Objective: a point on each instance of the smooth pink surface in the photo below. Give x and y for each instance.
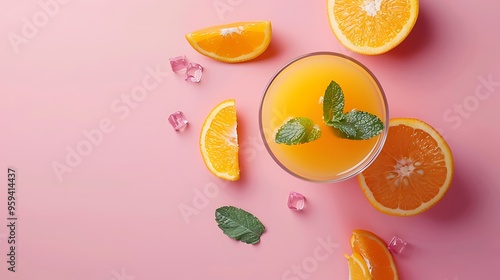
(117, 215)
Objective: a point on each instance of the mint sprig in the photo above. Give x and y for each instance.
(238, 224)
(297, 131)
(355, 125)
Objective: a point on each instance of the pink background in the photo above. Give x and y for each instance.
(116, 214)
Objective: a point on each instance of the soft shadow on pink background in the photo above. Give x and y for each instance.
(116, 214)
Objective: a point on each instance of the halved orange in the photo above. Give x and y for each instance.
(375, 253)
(219, 141)
(413, 171)
(234, 42)
(358, 270)
(372, 26)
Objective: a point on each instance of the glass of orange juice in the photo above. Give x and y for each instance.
(296, 90)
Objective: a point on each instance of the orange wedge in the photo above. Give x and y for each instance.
(235, 42)
(372, 26)
(219, 141)
(375, 253)
(413, 171)
(358, 270)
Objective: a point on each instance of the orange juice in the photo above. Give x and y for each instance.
(297, 91)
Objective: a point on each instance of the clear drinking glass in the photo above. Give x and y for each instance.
(296, 90)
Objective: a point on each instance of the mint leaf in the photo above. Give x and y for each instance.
(297, 131)
(239, 224)
(354, 125)
(333, 103)
(358, 125)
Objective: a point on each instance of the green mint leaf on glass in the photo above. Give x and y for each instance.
(238, 224)
(333, 103)
(297, 131)
(358, 125)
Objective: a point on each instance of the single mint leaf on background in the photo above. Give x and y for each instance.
(358, 125)
(239, 224)
(333, 103)
(297, 131)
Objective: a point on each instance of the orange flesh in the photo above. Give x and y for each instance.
(373, 249)
(363, 27)
(219, 141)
(410, 170)
(235, 42)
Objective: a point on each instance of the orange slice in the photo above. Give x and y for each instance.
(375, 253)
(372, 26)
(235, 42)
(358, 270)
(413, 171)
(219, 141)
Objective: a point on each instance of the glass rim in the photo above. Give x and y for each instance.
(362, 165)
